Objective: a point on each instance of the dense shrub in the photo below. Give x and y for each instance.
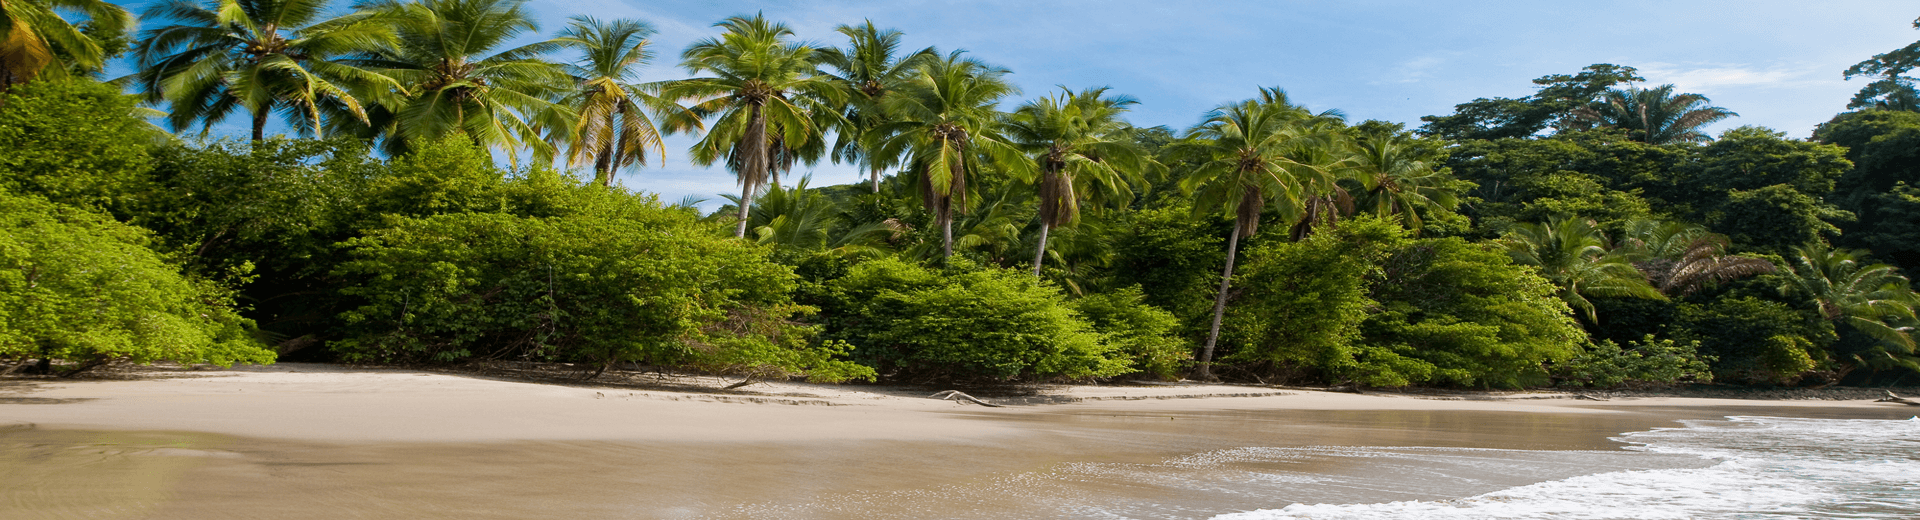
(963, 323)
(1648, 360)
(80, 287)
(1460, 313)
(650, 286)
(1756, 341)
(1145, 335)
(1301, 303)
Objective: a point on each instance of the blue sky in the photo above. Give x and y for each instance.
(1777, 63)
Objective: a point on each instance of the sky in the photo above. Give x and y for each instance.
(1778, 64)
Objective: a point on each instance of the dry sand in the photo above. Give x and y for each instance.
(322, 441)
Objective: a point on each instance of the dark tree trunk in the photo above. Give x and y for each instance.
(260, 125)
(1219, 306)
(755, 166)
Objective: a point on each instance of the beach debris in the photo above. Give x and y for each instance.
(1588, 397)
(956, 395)
(1890, 398)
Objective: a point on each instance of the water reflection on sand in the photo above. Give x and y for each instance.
(1065, 465)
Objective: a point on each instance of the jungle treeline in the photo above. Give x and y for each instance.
(450, 196)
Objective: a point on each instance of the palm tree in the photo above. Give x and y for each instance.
(1078, 144)
(1574, 254)
(259, 56)
(1679, 258)
(458, 84)
(613, 130)
(948, 124)
(1654, 115)
(1246, 153)
(870, 70)
(1872, 298)
(1399, 182)
(763, 95)
(33, 35)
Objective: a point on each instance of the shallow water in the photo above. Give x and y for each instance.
(1065, 465)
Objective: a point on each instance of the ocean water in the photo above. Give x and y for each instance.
(1761, 468)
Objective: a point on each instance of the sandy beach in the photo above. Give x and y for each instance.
(322, 441)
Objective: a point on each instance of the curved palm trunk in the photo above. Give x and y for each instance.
(755, 167)
(944, 214)
(1040, 253)
(1219, 305)
(603, 166)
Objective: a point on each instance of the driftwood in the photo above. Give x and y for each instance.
(1890, 398)
(1588, 397)
(956, 395)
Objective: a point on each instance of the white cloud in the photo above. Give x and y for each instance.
(1704, 78)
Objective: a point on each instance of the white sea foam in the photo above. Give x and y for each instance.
(1768, 467)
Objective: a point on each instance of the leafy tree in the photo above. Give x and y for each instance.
(1576, 256)
(34, 35)
(963, 323)
(1246, 160)
(950, 129)
(72, 142)
(763, 94)
(1654, 115)
(1891, 90)
(458, 81)
(1774, 219)
(80, 287)
(1173, 257)
(1550, 107)
(1593, 174)
(870, 70)
(1460, 313)
(1643, 361)
(1075, 139)
(1884, 148)
(613, 130)
(259, 56)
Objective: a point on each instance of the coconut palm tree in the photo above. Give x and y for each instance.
(1575, 255)
(1872, 298)
(1078, 143)
(1399, 182)
(34, 34)
(870, 69)
(259, 56)
(1654, 115)
(1246, 154)
(613, 130)
(763, 95)
(947, 123)
(458, 80)
(1679, 258)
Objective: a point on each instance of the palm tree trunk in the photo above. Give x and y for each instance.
(945, 216)
(875, 176)
(1040, 253)
(603, 166)
(260, 125)
(755, 168)
(1219, 306)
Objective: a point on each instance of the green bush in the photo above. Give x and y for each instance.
(651, 286)
(1647, 361)
(80, 287)
(1756, 341)
(1461, 313)
(963, 323)
(1301, 303)
(1145, 335)
(72, 142)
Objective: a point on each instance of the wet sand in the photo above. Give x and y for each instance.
(311, 441)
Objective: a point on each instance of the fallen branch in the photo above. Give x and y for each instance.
(1890, 398)
(956, 395)
(1588, 397)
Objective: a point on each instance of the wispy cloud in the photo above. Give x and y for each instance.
(1704, 78)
